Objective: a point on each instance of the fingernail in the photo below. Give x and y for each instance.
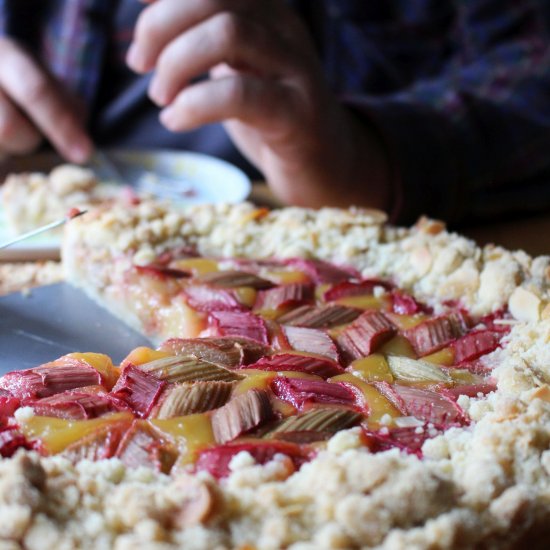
(135, 59)
(167, 117)
(157, 92)
(80, 152)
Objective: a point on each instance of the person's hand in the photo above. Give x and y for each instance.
(33, 106)
(267, 85)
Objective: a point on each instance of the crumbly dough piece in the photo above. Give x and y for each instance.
(22, 276)
(34, 199)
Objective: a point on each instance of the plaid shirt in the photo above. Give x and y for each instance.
(458, 89)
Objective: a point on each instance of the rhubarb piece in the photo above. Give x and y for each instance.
(323, 420)
(284, 296)
(311, 340)
(409, 440)
(426, 405)
(229, 352)
(373, 368)
(8, 404)
(102, 364)
(414, 370)
(323, 272)
(498, 321)
(143, 354)
(216, 460)
(184, 399)
(299, 391)
(471, 390)
(434, 334)
(475, 344)
(56, 434)
(300, 363)
(74, 405)
(139, 389)
(206, 299)
(101, 444)
(187, 369)
(234, 279)
(240, 415)
(243, 324)
(302, 437)
(11, 439)
(162, 272)
(347, 289)
(142, 445)
(327, 316)
(368, 332)
(49, 379)
(405, 304)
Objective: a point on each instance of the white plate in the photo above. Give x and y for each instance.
(211, 179)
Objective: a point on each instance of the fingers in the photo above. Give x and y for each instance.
(160, 23)
(244, 97)
(224, 38)
(17, 134)
(29, 87)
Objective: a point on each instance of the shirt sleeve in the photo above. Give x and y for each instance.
(473, 141)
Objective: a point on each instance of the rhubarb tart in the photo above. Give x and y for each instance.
(319, 379)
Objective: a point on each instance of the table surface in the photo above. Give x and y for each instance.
(531, 235)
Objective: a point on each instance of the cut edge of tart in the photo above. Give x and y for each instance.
(355, 385)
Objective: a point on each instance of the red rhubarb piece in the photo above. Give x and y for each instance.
(300, 363)
(138, 389)
(475, 344)
(311, 340)
(49, 379)
(99, 445)
(143, 446)
(490, 321)
(10, 441)
(409, 440)
(75, 406)
(8, 404)
(423, 404)
(299, 391)
(323, 272)
(405, 304)
(471, 390)
(243, 324)
(432, 335)
(229, 352)
(234, 279)
(243, 413)
(330, 315)
(368, 332)
(346, 289)
(206, 299)
(283, 296)
(217, 459)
